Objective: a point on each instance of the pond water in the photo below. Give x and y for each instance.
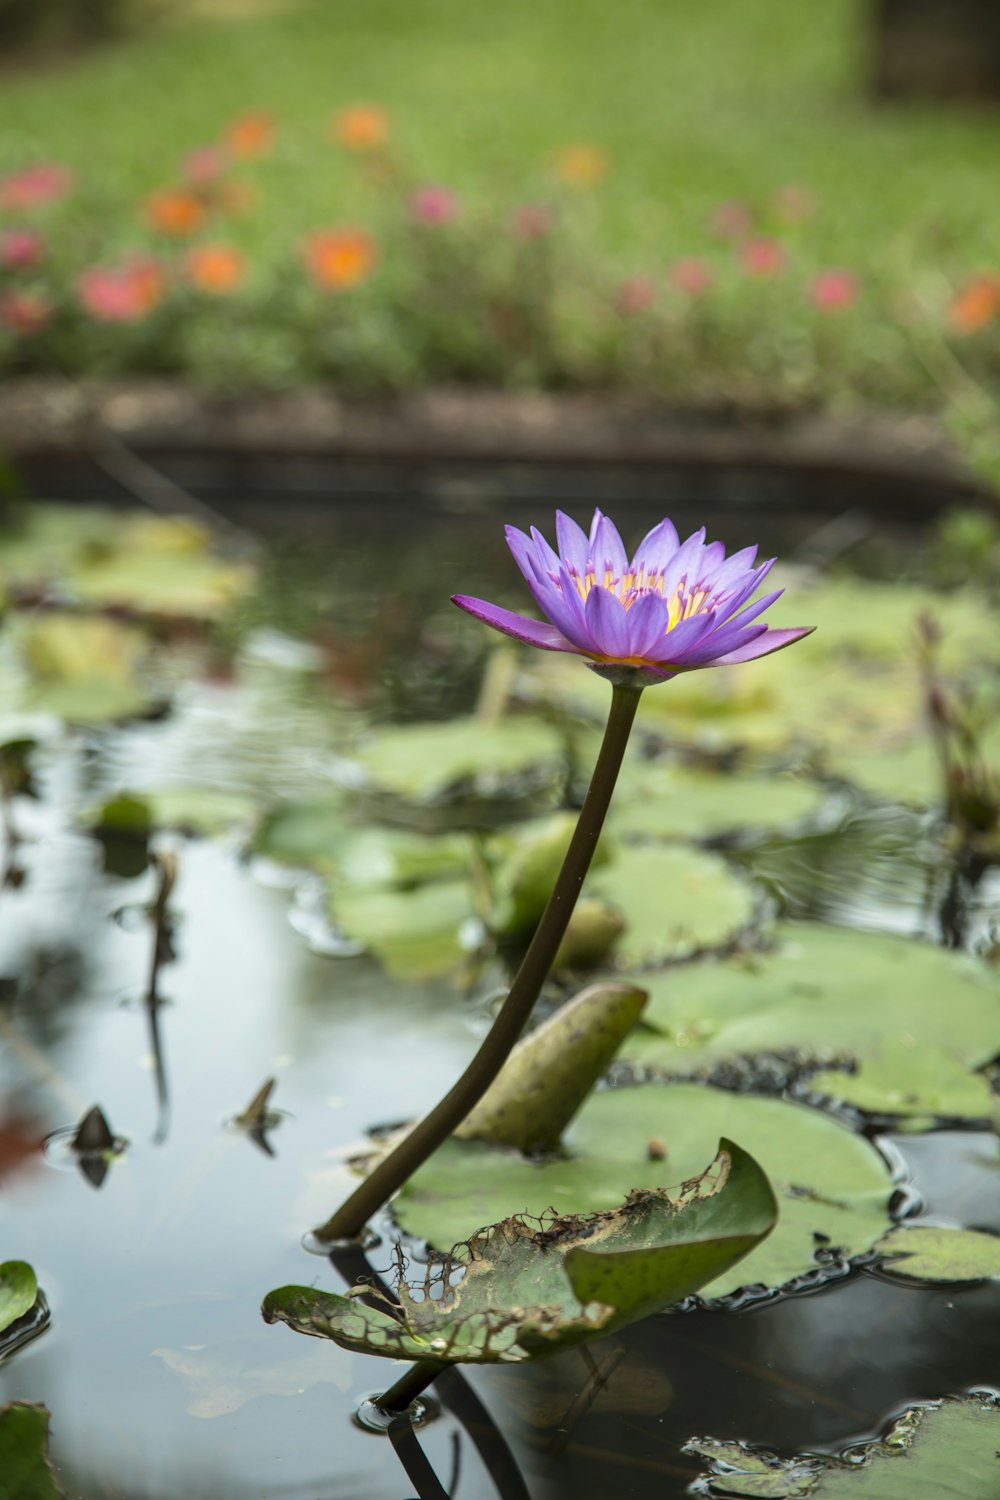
(160, 1376)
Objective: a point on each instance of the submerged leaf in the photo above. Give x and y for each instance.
(519, 1289)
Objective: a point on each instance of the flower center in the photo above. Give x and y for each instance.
(684, 602)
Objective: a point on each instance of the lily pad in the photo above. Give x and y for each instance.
(675, 901)
(832, 1185)
(467, 763)
(307, 834)
(25, 1473)
(828, 995)
(18, 1290)
(948, 1452)
(656, 799)
(414, 933)
(86, 670)
(929, 1253)
(915, 1083)
(519, 1290)
(194, 810)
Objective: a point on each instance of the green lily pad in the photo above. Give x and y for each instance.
(656, 799)
(917, 1083)
(306, 834)
(675, 901)
(25, 1473)
(825, 995)
(948, 1452)
(832, 1185)
(519, 1290)
(18, 1290)
(929, 1253)
(195, 810)
(415, 933)
(83, 669)
(465, 760)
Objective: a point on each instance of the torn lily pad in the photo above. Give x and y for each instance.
(928, 1252)
(521, 1289)
(833, 1186)
(947, 1452)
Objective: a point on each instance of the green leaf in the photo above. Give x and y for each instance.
(655, 799)
(929, 1253)
(828, 995)
(675, 901)
(18, 1290)
(948, 1452)
(308, 834)
(414, 933)
(912, 1081)
(25, 1473)
(520, 1290)
(84, 669)
(833, 1186)
(203, 811)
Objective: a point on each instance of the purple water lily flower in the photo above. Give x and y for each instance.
(673, 608)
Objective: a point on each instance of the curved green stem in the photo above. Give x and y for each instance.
(410, 1385)
(428, 1134)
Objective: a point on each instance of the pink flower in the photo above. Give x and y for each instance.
(731, 220)
(24, 312)
(123, 293)
(762, 258)
(691, 276)
(635, 295)
(205, 164)
(532, 221)
(20, 249)
(833, 290)
(33, 185)
(434, 204)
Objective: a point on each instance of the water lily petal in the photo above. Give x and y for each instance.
(573, 543)
(647, 624)
(683, 638)
(656, 548)
(685, 563)
(532, 632)
(607, 550)
(720, 643)
(733, 568)
(607, 622)
(771, 640)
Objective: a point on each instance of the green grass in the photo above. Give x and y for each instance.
(695, 101)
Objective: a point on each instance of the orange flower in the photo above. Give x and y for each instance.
(250, 134)
(976, 304)
(581, 166)
(175, 212)
(361, 127)
(215, 269)
(339, 258)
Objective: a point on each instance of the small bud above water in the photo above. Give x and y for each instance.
(656, 1148)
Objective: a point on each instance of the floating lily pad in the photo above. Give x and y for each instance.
(826, 995)
(949, 1452)
(18, 1290)
(308, 834)
(675, 902)
(194, 810)
(833, 1187)
(521, 1289)
(25, 1473)
(657, 799)
(466, 761)
(415, 933)
(86, 670)
(929, 1253)
(917, 1083)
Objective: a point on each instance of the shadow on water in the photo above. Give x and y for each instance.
(161, 1378)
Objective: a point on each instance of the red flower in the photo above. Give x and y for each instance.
(24, 312)
(691, 276)
(833, 290)
(635, 295)
(20, 249)
(124, 293)
(33, 185)
(762, 258)
(434, 204)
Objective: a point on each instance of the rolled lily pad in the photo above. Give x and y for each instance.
(929, 1253)
(18, 1290)
(466, 762)
(948, 1452)
(832, 1185)
(25, 1473)
(657, 799)
(520, 1289)
(829, 995)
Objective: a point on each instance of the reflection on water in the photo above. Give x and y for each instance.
(161, 1377)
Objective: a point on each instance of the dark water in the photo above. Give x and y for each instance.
(160, 1376)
